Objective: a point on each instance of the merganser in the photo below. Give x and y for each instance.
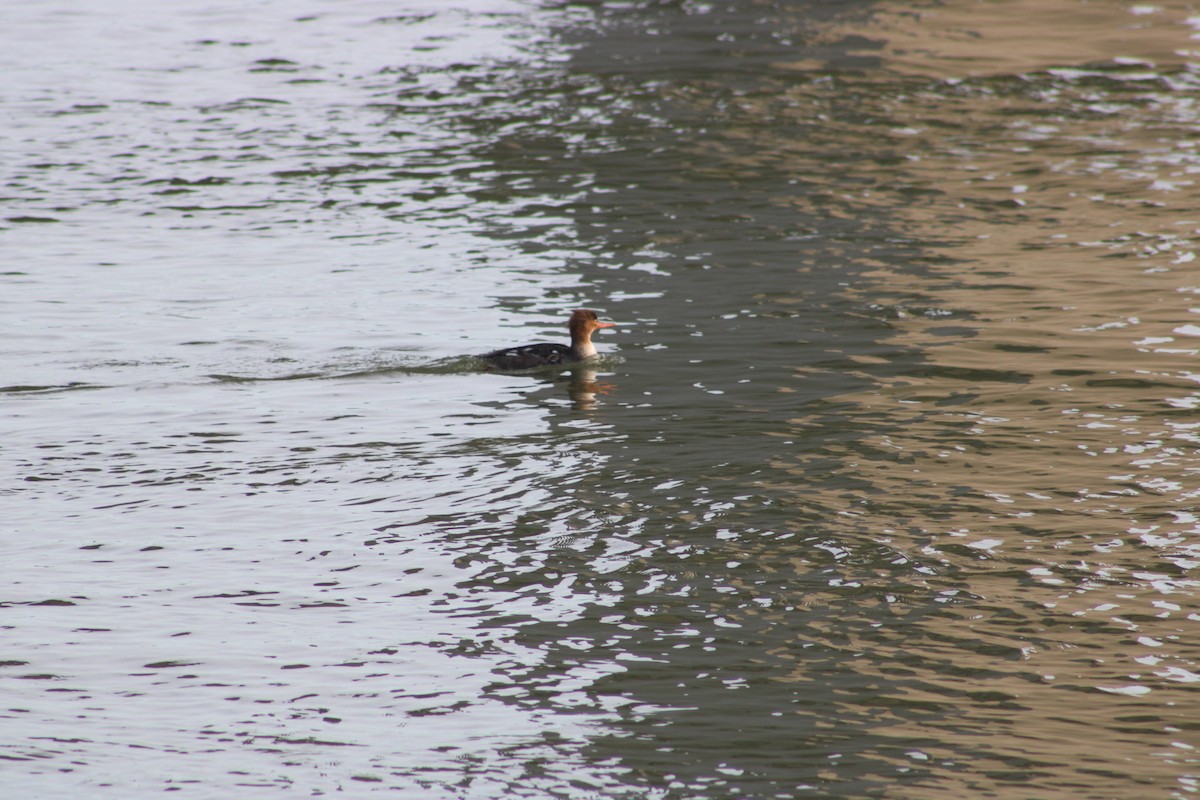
(582, 323)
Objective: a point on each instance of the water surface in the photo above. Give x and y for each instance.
(884, 486)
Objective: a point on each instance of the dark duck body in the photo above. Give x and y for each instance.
(544, 354)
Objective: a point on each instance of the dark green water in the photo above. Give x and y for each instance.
(884, 485)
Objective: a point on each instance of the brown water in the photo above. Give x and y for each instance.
(884, 486)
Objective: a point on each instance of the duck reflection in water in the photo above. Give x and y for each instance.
(583, 387)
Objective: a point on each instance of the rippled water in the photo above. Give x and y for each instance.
(885, 484)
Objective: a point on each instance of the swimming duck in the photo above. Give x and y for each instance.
(544, 354)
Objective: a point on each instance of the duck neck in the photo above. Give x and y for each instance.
(581, 343)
